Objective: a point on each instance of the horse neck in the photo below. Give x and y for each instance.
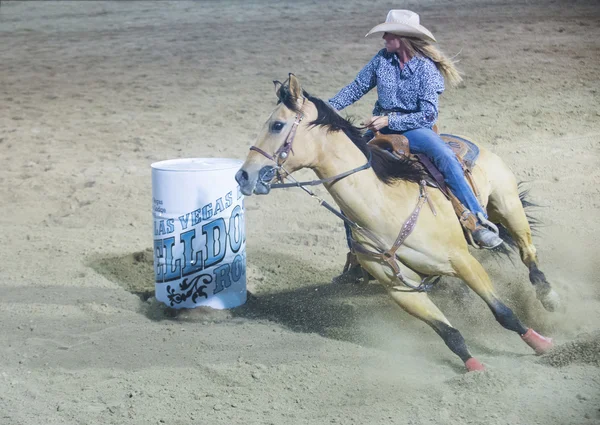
(360, 194)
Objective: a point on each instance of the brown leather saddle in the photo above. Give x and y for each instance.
(466, 152)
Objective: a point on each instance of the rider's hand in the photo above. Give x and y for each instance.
(378, 122)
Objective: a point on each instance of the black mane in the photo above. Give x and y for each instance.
(387, 167)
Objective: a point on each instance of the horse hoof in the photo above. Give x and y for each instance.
(474, 365)
(539, 343)
(352, 275)
(549, 299)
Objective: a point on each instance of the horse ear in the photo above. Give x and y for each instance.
(278, 85)
(295, 88)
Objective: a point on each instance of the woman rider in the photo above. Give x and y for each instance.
(409, 74)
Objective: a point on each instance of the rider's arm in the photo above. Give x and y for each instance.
(432, 85)
(365, 81)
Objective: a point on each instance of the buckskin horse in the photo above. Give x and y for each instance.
(382, 195)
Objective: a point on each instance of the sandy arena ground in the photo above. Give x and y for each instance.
(92, 92)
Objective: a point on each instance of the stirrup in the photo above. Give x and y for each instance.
(484, 221)
(486, 238)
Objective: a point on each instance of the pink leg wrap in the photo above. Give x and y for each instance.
(539, 343)
(473, 364)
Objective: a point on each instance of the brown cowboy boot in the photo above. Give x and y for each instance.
(352, 272)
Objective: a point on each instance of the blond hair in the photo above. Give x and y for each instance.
(445, 65)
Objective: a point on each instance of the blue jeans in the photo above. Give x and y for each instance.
(427, 142)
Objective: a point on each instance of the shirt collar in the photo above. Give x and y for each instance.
(392, 58)
(412, 64)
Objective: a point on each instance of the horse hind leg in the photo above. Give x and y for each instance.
(468, 269)
(507, 208)
(518, 227)
(544, 292)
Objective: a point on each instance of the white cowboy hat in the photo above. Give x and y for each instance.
(403, 22)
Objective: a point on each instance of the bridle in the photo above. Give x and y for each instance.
(282, 154)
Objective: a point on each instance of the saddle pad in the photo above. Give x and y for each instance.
(466, 151)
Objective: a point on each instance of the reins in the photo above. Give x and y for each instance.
(326, 180)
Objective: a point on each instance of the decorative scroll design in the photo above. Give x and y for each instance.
(190, 289)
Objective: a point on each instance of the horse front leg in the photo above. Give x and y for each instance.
(470, 270)
(419, 305)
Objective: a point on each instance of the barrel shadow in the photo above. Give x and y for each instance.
(134, 272)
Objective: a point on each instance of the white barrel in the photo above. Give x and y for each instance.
(199, 233)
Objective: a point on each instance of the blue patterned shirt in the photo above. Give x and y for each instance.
(409, 96)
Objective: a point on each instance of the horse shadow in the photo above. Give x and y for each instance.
(297, 296)
(311, 304)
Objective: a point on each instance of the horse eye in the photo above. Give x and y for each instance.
(277, 126)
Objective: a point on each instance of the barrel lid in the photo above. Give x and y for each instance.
(197, 164)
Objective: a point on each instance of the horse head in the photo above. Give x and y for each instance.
(283, 145)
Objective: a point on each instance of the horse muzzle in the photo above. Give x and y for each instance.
(255, 183)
